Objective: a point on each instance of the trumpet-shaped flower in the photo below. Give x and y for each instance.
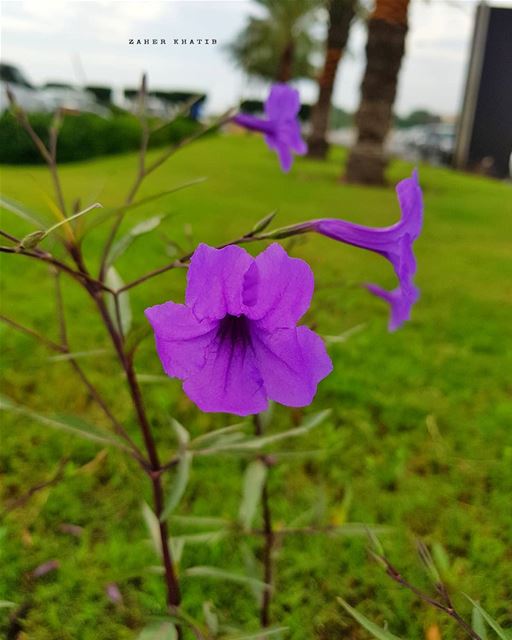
(280, 126)
(234, 342)
(394, 243)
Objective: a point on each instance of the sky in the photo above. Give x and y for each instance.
(87, 41)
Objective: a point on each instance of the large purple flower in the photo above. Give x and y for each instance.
(234, 342)
(394, 243)
(281, 126)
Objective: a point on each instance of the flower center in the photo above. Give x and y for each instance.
(234, 329)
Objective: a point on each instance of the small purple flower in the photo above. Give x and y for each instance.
(281, 126)
(394, 243)
(234, 342)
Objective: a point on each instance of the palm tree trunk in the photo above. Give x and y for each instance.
(387, 29)
(284, 72)
(341, 13)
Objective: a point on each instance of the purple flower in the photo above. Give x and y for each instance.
(234, 342)
(281, 126)
(394, 243)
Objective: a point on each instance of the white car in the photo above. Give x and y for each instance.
(25, 94)
(57, 94)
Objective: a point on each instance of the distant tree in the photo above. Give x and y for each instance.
(387, 29)
(341, 13)
(417, 118)
(279, 45)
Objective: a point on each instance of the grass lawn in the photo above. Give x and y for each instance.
(419, 440)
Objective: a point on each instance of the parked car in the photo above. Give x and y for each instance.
(433, 143)
(26, 95)
(59, 94)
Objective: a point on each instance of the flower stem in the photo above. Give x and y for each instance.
(268, 533)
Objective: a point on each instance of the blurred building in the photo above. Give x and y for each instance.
(484, 135)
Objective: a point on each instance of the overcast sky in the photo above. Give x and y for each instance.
(75, 41)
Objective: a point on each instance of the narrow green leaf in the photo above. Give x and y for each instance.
(153, 527)
(77, 354)
(179, 485)
(210, 617)
(177, 545)
(478, 623)
(205, 537)
(257, 443)
(21, 211)
(5, 604)
(200, 521)
(182, 435)
(504, 635)
(254, 481)
(139, 203)
(115, 282)
(212, 436)
(146, 226)
(343, 337)
(371, 627)
(263, 223)
(220, 574)
(70, 424)
(159, 631)
(96, 205)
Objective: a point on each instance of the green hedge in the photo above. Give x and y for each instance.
(85, 136)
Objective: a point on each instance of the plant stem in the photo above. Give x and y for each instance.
(154, 471)
(446, 607)
(269, 539)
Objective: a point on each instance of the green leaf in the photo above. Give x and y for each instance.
(501, 633)
(263, 223)
(371, 627)
(5, 604)
(70, 424)
(159, 631)
(213, 436)
(210, 617)
(257, 443)
(21, 211)
(139, 203)
(179, 485)
(115, 282)
(205, 537)
(259, 635)
(199, 521)
(77, 354)
(220, 574)
(146, 226)
(254, 481)
(153, 527)
(182, 435)
(177, 545)
(478, 624)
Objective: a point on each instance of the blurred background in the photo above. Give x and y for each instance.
(78, 55)
(419, 441)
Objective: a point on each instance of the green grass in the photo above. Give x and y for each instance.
(419, 440)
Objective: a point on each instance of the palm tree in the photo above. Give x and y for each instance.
(385, 47)
(341, 13)
(279, 45)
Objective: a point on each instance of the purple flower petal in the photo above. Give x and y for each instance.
(181, 339)
(283, 102)
(230, 380)
(277, 288)
(234, 343)
(215, 281)
(292, 362)
(281, 126)
(394, 243)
